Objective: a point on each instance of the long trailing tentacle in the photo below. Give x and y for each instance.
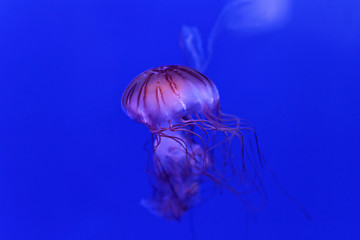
(242, 176)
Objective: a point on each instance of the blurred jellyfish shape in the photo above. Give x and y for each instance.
(192, 140)
(255, 15)
(239, 16)
(191, 44)
(193, 49)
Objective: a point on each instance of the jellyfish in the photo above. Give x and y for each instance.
(240, 16)
(193, 147)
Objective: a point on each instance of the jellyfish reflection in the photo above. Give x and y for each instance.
(192, 140)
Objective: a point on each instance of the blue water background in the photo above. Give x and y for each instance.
(72, 164)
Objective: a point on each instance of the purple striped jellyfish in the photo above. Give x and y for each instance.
(196, 147)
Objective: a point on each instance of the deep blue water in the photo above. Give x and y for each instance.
(73, 165)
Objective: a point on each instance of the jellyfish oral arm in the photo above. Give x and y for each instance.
(177, 166)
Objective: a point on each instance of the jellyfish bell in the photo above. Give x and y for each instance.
(180, 106)
(167, 93)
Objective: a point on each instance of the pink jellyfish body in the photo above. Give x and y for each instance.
(192, 140)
